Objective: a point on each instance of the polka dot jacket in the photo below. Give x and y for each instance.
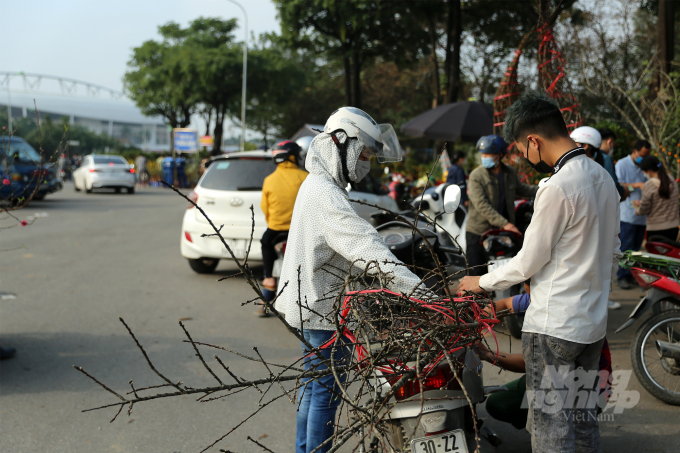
(327, 238)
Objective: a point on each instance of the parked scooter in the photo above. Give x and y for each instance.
(448, 423)
(659, 245)
(428, 213)
(655, 351)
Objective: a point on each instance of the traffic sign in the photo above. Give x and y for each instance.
(186, 140)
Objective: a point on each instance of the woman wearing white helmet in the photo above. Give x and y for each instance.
(591, 140)
(327, 238)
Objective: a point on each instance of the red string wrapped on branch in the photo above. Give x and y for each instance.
(410, 326)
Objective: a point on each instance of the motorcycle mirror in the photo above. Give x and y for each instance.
(452, 198)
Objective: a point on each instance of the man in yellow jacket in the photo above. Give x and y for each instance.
(278, 199)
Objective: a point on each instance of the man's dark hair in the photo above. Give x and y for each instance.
(534, 113)
(458, 156)
(607, 133)
(641, 144)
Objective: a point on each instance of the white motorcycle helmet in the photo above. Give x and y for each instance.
(380, 139)
(587, 134)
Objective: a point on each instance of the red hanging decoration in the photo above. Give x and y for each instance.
(553, 79)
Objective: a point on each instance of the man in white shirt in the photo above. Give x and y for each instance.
(569, 251)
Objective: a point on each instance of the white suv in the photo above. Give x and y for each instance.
(230, 185)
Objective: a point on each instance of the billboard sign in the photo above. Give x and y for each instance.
(186, 140)
(207, 140)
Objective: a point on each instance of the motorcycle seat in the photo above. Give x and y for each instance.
(665, 240)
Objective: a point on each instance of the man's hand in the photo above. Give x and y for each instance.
(510, 227)
(469, 284)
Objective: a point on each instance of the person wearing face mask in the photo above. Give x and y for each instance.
(608, 141)
(327, 239)
(279, 191)
(492, 188)
(456, 175)
(659, 200)
(590, 139)
(632, 225)
(569, 252)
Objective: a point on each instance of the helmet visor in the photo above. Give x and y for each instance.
(387, 149)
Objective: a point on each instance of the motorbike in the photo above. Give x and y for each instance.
(435, 222)
(655, 351)
(659, 245)
(447, 425)
(501, 246)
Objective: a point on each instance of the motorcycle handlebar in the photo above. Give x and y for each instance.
(450, 249)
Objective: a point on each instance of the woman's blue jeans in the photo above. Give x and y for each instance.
(318, 400)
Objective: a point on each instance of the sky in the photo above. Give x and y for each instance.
(91, 40)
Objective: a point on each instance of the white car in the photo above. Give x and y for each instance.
(230, 185)
(104, 171)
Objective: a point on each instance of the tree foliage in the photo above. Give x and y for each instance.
(158, 83)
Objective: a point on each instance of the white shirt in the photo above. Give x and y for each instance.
(569, 251)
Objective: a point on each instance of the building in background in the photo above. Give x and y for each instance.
(99, 109)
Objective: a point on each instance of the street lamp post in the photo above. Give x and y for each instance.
(245, 71)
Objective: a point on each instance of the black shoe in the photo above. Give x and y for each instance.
(634, 283)
(624, 284)
(7, 353)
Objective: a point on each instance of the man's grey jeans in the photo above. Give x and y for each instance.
(562, 398)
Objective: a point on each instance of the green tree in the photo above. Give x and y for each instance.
(215, 62)
(158, 82)
(277, 80)
(354, 32)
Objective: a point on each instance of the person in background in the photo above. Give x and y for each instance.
(456, 175)
(180, 164)
(590, 139)
(659, 200)
(64, 166)
(507, 406)
(632, 226)
(492, 187)
(169, 170)
(140, 168)
(608, 141)
(397, 187)
(201, 168)
(279, 192)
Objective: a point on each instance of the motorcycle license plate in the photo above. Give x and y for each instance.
(495, 264)
(450, 442)
(278, 264)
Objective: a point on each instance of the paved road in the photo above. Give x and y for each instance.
(100, 256)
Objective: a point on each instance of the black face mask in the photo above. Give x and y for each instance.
(541, 166)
